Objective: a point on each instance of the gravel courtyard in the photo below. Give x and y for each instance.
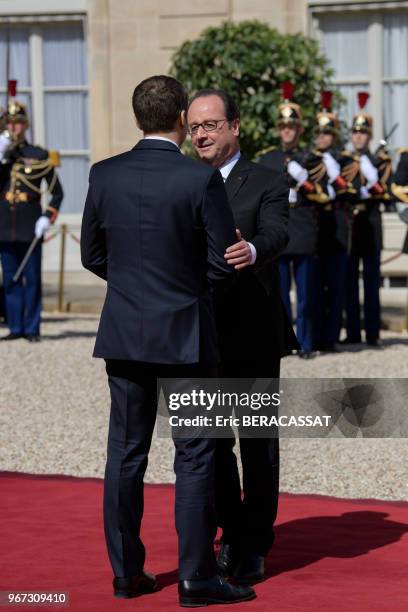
(54, 407)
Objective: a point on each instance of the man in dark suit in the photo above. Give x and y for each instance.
(253, 327)
(156, 225)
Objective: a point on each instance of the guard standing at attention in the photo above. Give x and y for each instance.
(375, 172)
(298, 258)
(326, 167)
(23, 167)
(399, 190)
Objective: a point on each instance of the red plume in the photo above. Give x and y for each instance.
(12, 89)
(362, 98)
(287, 90)
(326, 99)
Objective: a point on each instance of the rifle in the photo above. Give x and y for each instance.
(384, 141)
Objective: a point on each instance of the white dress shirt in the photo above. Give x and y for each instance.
(225, 170)
(161, 138)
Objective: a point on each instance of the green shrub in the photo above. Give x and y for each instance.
(250, 60)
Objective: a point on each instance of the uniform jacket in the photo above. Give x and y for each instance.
(156, 225)
(21, 174)
(302, 226)
(367, 235)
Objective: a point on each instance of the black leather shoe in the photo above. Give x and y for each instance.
(33, 338)
(126, 588)
(351, 340)
(251, 569)
(12, 336)
(215, 590)
(227, 559)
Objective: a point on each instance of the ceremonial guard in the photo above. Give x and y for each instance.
(399, 190)
(331, 174)
(299, 256)
(23, 167)
(366, 244)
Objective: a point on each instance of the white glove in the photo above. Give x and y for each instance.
(5, 142)
(364, 193)
(402, 210)
(331, 192)
(292, 196)
(332, 166)
(41, 226)
(369, 171)
(297, 172)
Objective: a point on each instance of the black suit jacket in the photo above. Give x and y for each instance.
(156, 225)
(252, 322)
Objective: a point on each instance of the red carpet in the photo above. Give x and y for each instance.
(330, 554)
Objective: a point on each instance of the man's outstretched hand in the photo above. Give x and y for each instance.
(239, 254)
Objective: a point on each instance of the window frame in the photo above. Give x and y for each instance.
(376, 80)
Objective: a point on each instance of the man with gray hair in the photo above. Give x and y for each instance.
(254, 331)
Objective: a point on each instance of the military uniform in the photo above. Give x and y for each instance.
(298, 257)
(22, 170)
(399, 191)
(366, 241)
(330, 173)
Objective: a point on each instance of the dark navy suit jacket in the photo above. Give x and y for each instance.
(156, 225)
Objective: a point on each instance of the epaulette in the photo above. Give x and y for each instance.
(347, 153)
(54, 159)
(402, 150)
(384, 155)
(265, 151)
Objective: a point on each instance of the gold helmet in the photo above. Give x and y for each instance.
(362, 122)
(289, 113)
(16, 111)
(327, 122)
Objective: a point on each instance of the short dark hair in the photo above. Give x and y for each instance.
(158, 102)
(230, 106)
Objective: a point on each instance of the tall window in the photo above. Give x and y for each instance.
(49, 62)
(369, 51)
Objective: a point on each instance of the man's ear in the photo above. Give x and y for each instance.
(183, 118)
(235, 126)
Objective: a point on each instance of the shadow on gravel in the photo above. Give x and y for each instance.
(305, 541)
(63, 319)
(385, 343)
(69, 334)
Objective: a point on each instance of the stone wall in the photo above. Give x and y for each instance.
(129, 40)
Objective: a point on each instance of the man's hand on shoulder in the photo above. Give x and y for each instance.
(241, 254)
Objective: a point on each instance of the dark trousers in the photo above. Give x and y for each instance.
(132, 419)
(329, 295)
(247, 522)
(302, 268)
(22, 299)
(371, 280)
